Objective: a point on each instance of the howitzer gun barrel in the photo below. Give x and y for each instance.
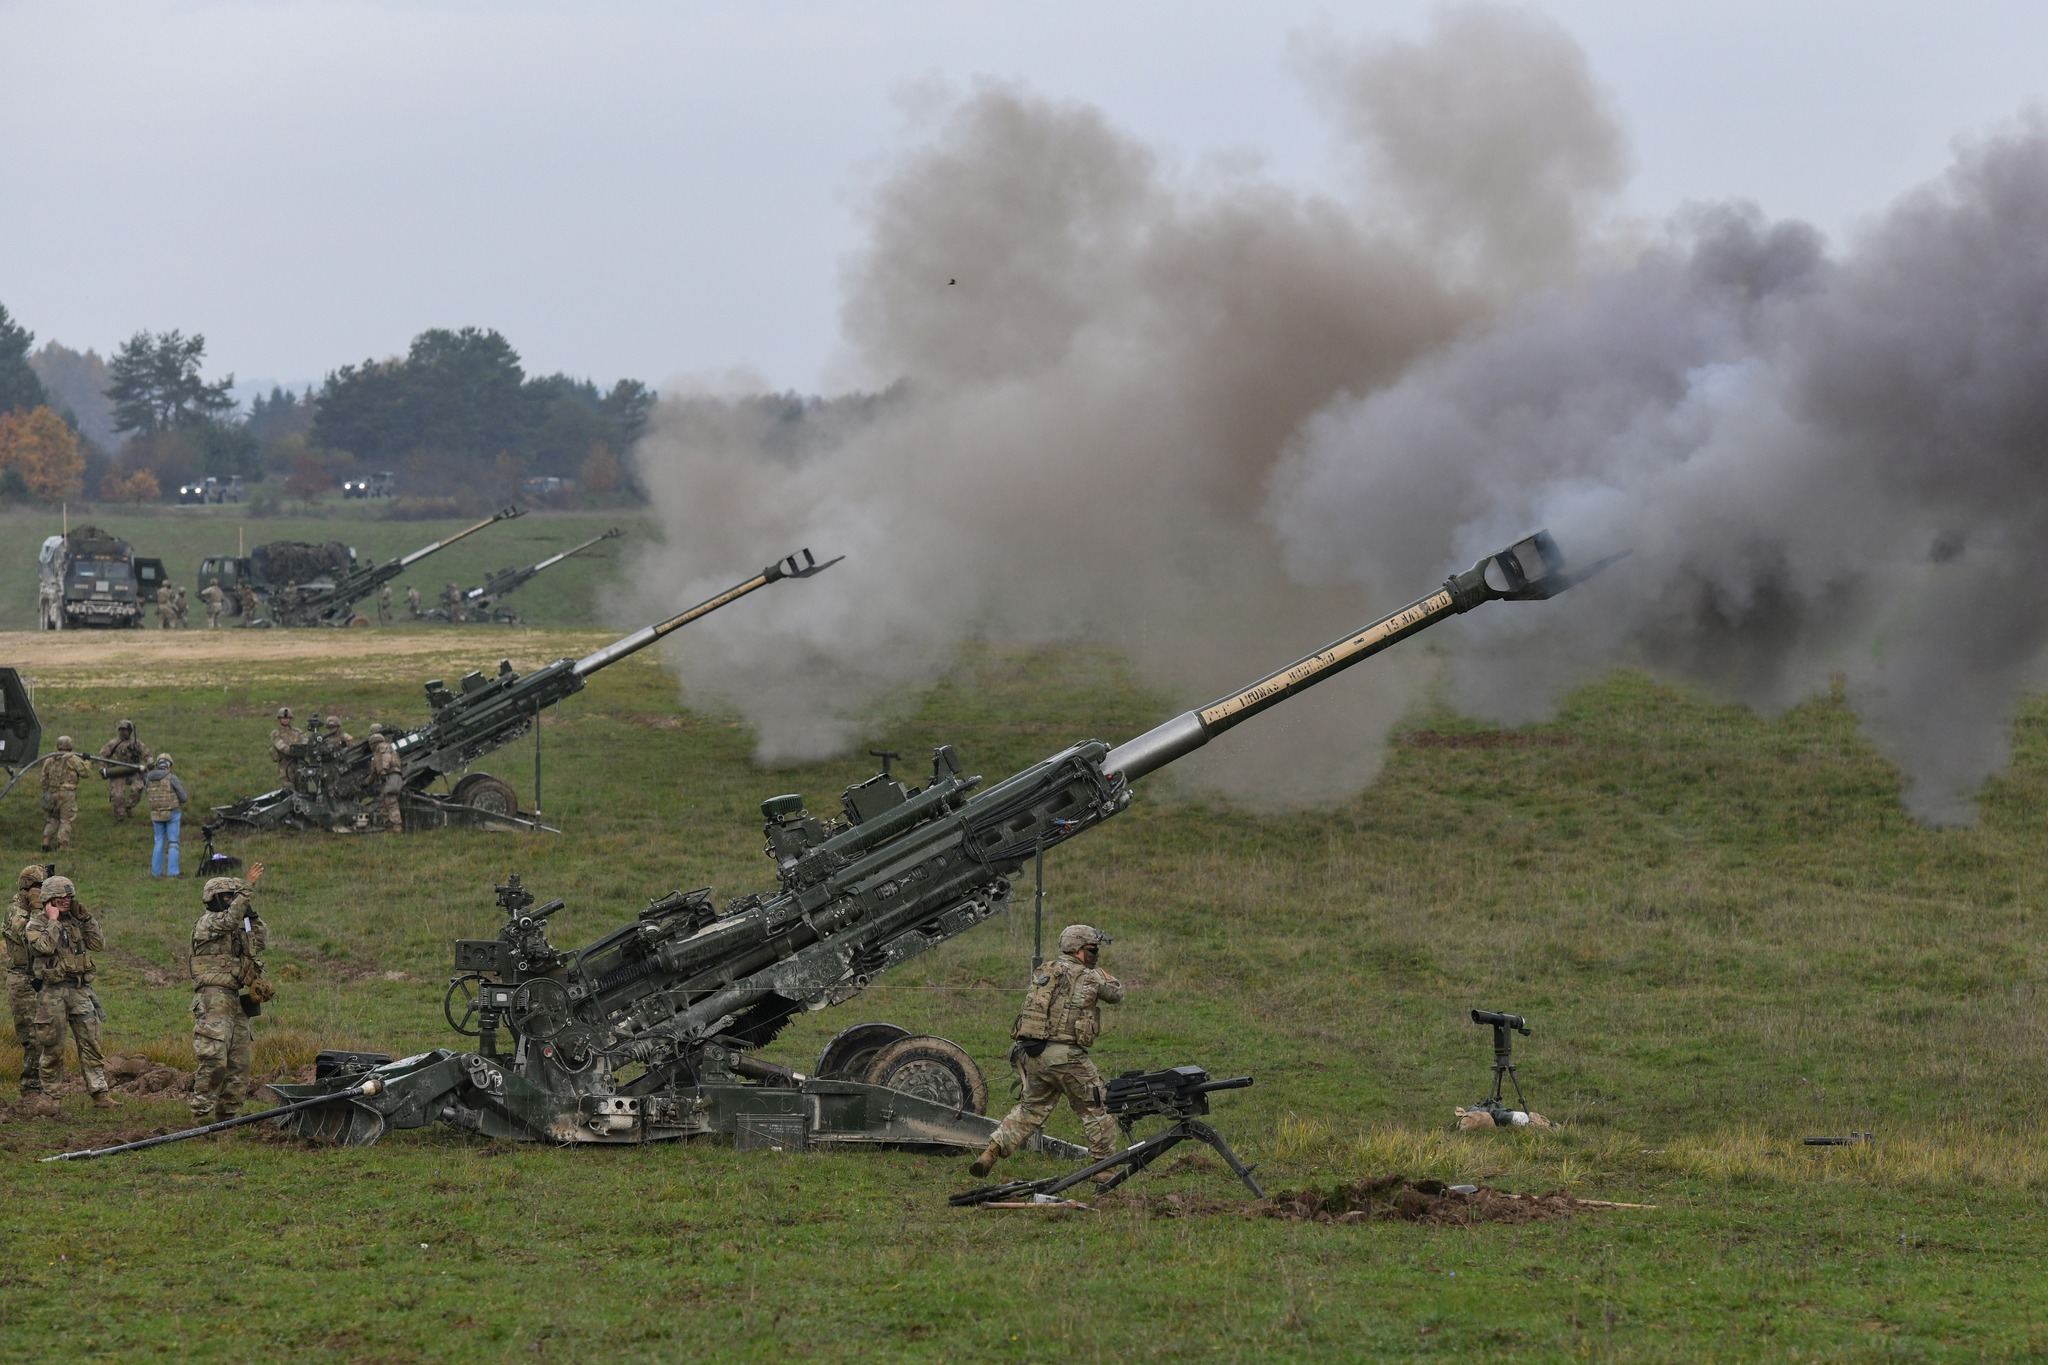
(1528, 570)
(790, 567)
(553, 560)
(502, 514)
(499, 585)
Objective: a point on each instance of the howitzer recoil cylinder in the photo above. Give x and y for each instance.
(647, 635)
(1528, 570)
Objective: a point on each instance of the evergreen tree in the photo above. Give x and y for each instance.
(19, 387)
(157, 384)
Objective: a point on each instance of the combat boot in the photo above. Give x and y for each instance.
(104, 1099)
(986, 1162)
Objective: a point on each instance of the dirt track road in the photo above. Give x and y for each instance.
(151, 658)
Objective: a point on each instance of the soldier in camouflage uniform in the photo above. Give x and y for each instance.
(246, 596)
(387, 776)
(61, 942)
(163, 605)
(225, 972)
(1062, 1017)
(214, 599)
(451, 597)
(61, 775)
(412, 601)
(21, 988)
(124, 785)
(179, 606)
(384, 605)
(282, 741)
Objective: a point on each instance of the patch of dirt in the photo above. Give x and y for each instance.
(1484, 739)
(151, 658)
(653, 720)
(1385, 1199)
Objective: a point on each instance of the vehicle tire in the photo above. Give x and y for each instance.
(481, 791)
(932, 1069)
(846, 1057)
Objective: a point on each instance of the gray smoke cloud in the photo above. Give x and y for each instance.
(1824, 467)
(1102, 359)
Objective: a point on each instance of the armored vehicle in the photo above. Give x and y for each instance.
(332, 787)
(89, 577)
(648, 1033)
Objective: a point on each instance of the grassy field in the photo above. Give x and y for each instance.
(1725, 932)
(182, 536)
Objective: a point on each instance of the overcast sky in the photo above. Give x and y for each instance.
(668, 191)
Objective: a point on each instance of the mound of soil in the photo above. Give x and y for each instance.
(1385, 1199)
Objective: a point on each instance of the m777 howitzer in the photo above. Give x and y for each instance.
(647, 1034)
(482, 604)
(324, 603)
(332, 787)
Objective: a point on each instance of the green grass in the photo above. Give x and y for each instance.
(182, 536)
(1724, 930)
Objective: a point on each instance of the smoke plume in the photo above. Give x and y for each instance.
(1215, 421)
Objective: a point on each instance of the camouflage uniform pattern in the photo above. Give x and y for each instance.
(124, 785)
(179, 606)
(215, 600)
(387, 769)
(384, 605)
(1062, 1009)
(282, 741)
(61, 951)
(412, 601)
(246, 596)
(21, 990)
(224, 965)
(61, 776)
(163, 606)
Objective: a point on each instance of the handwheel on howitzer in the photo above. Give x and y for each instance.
(464, 986)
(540, 1009)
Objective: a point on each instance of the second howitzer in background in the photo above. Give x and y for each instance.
(647, 1033)
(333, 603)
(336, 788)
(486, 603)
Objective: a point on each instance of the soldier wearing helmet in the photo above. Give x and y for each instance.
(215, 600)
(62, 772)
(1061, 1019)
(284, 744)
(387, 773)
(21, 989)
(167, 798)
(124, 778)
(61, 942)
(228, 990)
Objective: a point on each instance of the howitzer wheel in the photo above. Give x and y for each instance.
(481, 791)
(846, 1057)
(931, 1068)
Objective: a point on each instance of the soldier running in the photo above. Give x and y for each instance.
(61, 775)
(228, 989)
(124, 784)
(21, 987)
(61, 942)
(1062, 1016)
(215, 600)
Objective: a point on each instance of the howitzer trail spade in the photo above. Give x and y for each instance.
(333, 789)
(646, 1033)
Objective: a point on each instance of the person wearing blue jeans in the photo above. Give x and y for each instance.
(166, 812)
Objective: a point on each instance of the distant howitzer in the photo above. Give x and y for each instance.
(1179, 1094)
(687, 990)
(481, 604)
(332, 787)
(334, 604)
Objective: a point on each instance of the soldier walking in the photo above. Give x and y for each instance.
(166, 812)
(61, 942)
(283, 740)
(452, 596)
(384, 605)
(214, 599)
(124, 784)
(412, 601)
(163, 605)
(21, 986)
(228, 989)
(1061, 1019)
(387, 775)
(61, 775)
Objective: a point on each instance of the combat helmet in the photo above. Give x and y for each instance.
(284, 713)
(33, 875)
(222, 886)
(59, 888)
(163, 760)
(1075, 937)
(125, 727)
(64, 743)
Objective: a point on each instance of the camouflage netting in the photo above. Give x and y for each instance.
(294, 561)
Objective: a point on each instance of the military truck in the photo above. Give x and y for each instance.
(268, 567)
(88, 577)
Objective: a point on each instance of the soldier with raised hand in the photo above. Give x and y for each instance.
(61, 942)
(387, 774)
(62, 772)
(124, 784)
(283, 740)
(21, 986)
(228, 989)
(1061, 1019)
(214, 599)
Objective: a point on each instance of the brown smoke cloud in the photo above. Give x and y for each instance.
(1103, 359)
